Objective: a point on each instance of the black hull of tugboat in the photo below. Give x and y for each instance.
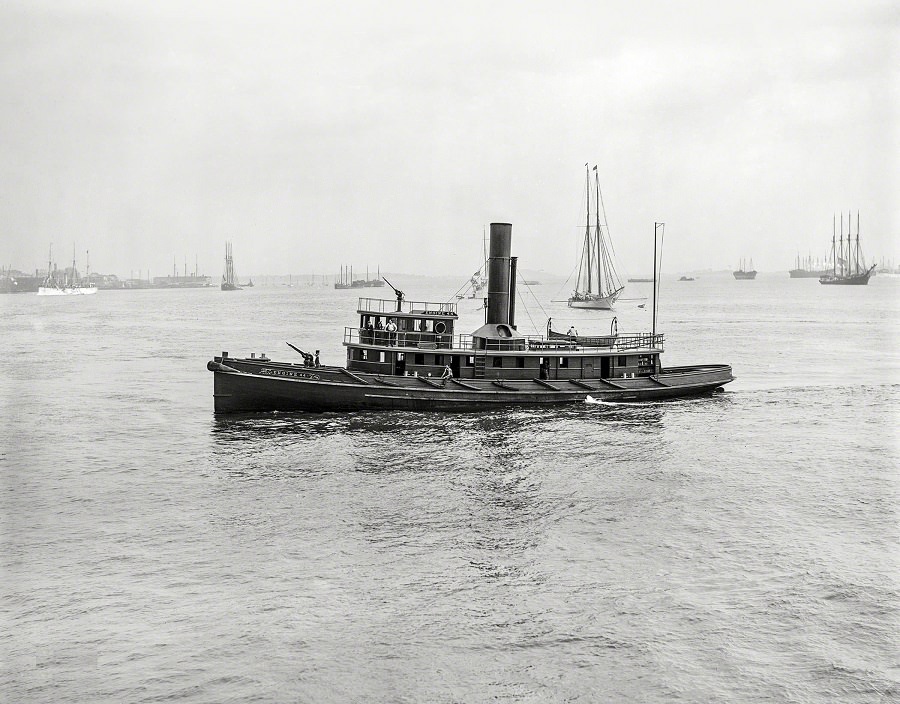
(241, 386)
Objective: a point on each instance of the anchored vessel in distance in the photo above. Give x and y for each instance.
(809, 268)
(598, 285)
(745, 274)
(407, 355)
(347, 280)
(229, 280)
(849, 268)
(54, 285)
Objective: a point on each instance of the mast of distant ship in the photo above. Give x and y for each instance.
(833, 250)
(656, 227)
(587, 229)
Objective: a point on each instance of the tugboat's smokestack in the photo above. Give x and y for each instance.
(498, 274)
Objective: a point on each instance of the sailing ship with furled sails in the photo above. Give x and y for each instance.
(229, 280)
(54, 285)
(849, 266)
(598, 284)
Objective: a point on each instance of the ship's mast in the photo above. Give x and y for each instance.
(841, 243)
(656, 228)
(601, 255)
(587, 230)
(833, 250)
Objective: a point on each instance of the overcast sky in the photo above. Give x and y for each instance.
(385, 133)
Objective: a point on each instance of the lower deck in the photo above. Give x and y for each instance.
(553, 363)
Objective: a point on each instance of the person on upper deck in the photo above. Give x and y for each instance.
(391, 329)
(572, 331)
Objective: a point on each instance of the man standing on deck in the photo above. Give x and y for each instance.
(391, 329)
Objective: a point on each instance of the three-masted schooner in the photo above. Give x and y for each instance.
(744, 273)
(849, 267)
(598, 284)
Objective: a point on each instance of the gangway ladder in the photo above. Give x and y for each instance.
(480, 362)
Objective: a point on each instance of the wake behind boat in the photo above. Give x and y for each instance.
(598, 284)
(407, 355)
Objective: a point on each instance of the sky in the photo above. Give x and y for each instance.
(391, 134)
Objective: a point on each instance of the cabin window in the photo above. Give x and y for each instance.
(520, 362)
(401, 357)
(563, 362)
(364, 355)
(470, 361)
(380, 356)
(423, 326)
(420, 359)
(497, 361)
(439, 360)
(622, 361)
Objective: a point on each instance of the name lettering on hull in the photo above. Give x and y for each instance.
(288, 372)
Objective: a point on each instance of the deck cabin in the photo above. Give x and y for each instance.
(413, 338)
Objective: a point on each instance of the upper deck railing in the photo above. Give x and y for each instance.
(386, 307)
(532, 343)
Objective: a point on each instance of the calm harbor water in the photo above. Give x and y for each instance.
(735, 548)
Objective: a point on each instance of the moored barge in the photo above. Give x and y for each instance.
(408, 355)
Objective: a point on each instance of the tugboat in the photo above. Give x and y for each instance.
(406, 355)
